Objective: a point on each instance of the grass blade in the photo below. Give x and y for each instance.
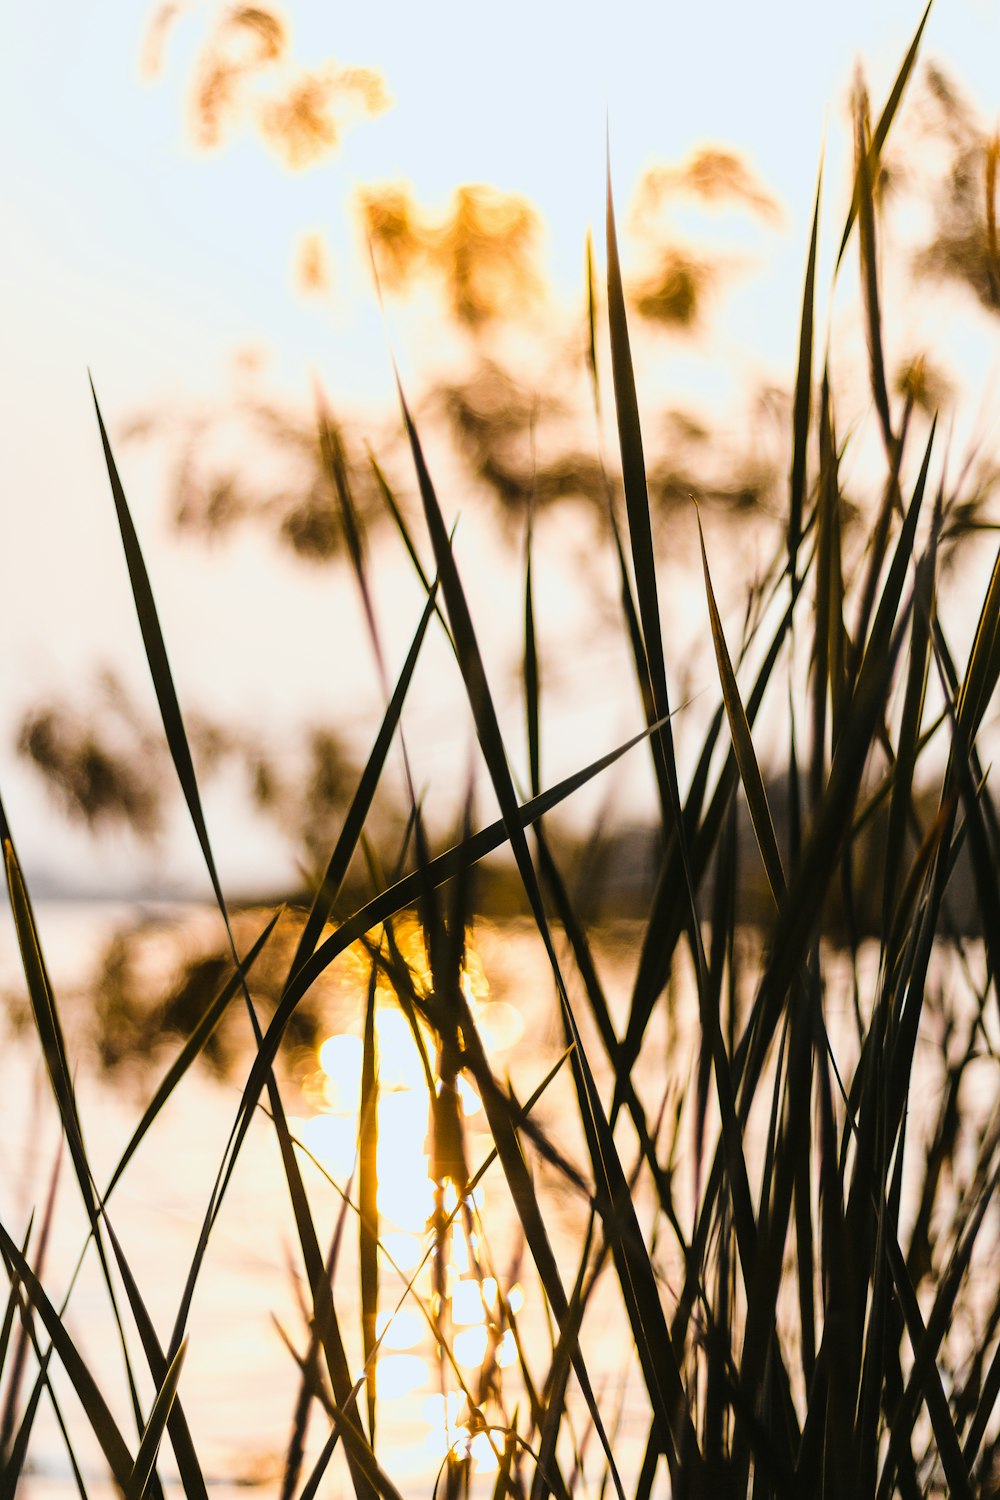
(637, 510)
(869, 274)
(803, 397)
(98, 1413)
(368, 1197)
(886, 118)
(152, 1437)
(746, 757)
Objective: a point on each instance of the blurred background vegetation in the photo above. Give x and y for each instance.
(508, 394)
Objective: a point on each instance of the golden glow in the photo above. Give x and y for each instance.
(506, 1350)
(333, 1141)
(406, 1249)
(459, 1259)
(401, 1330)
(411, 1204)
(449, 1198)
(444, 1411)
(499, 1025)
(466, 1303)
(470, 1346)
(340, 1058)
(401, 1375)
(398, 1060)
(483, 1454)
(471, 1102)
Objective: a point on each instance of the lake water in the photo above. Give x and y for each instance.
(240, 1382)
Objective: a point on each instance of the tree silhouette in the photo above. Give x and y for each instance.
(522, 426)
(964, 247)
(246, 74)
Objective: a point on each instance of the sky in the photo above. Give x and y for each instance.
(129, 251)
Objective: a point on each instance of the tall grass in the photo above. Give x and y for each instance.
(793, 1249)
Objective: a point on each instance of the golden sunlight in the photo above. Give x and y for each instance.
(452, 1312)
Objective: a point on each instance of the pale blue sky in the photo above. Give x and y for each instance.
(127, 250)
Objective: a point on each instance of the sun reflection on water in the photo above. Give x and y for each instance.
(451, 1328)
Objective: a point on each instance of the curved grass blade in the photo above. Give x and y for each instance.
(404, 893)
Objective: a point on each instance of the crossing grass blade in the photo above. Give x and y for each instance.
(489, 735)
(909, 734)
(14, 1447)
(657, 1358)
(15, 1372)
(787, 1330)
(50, 1033)
(668, 910)
(402, 894)
(155, 1427)
(173, 724)
(189, 1052)
(820, 852)
(166, 1374)
(360, 805)
(13, 1468)
(98, 1413)
(746, 756)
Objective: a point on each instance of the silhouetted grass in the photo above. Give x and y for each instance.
(786, 1315)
